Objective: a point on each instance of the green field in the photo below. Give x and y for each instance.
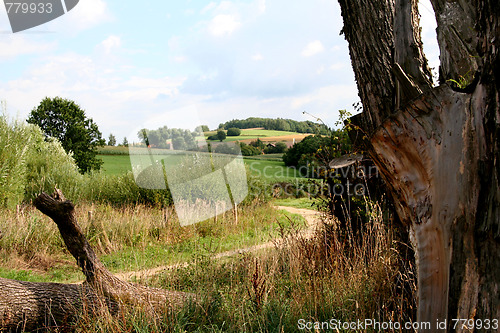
(115, 164)
(249, 134)
(265, 168)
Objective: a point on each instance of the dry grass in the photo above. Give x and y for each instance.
(329, 275)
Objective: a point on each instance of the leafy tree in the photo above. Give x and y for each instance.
(247, 150)
(233, 131)
(182, 138)
(64, 120)
(317, 151)
(125, 142)
(258, 144)
(179, 143)
(111, 140)
(221, 135)
(277, 148)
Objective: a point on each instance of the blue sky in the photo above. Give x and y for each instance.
(127, 63)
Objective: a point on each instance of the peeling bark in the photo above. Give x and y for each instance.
(437, 148)
(29, 306)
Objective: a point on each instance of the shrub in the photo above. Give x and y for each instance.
(277, 148)
(247, 150)
(233, 131)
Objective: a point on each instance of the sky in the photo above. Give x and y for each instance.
(128, 64)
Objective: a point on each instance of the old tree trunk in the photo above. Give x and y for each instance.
(30, 306)
(436, 147)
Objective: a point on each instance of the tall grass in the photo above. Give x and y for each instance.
(314, 279)
(15, 139)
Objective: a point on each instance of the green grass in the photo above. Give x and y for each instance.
(255, 134)
(60, 274)
(269, 157)
(209, 238)
(296, 203)
(112, 150)
(115, 164)
(269, 168)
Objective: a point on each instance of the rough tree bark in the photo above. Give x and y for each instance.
(29, 306)
(436, 147)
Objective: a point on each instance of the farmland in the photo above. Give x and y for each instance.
(260, 166)
(249, 135)
(270, 167)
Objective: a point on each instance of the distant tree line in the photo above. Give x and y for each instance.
(163, 137)
(278, 124)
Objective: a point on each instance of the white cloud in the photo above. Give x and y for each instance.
(313, 48)
(211, 6)
(257, 57)
(110, 43)
(16, 45)
(261, 5)
(85, 15)
(342, 95)
(223, 25)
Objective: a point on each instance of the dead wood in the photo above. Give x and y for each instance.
(30, 306)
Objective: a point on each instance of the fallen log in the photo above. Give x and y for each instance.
(27, 306)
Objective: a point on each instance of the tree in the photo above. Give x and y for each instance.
(436, 147)
(29, 306)
(203, 128)
(64, 120)
(233, 131)
(111, 140)
(221, 135)
(277, 148)
(125, 142)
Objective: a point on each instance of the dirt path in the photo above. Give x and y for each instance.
(312, 220)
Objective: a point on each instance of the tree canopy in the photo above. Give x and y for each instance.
(162, 137)
(221, 135)
(278, 124)
(64, 120)
(111, 140)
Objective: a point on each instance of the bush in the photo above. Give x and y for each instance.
(247, 150)
(233, 131)
(277, 148)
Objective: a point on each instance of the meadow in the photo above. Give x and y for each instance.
(315, 276)
(266, 167)
(248, 135)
